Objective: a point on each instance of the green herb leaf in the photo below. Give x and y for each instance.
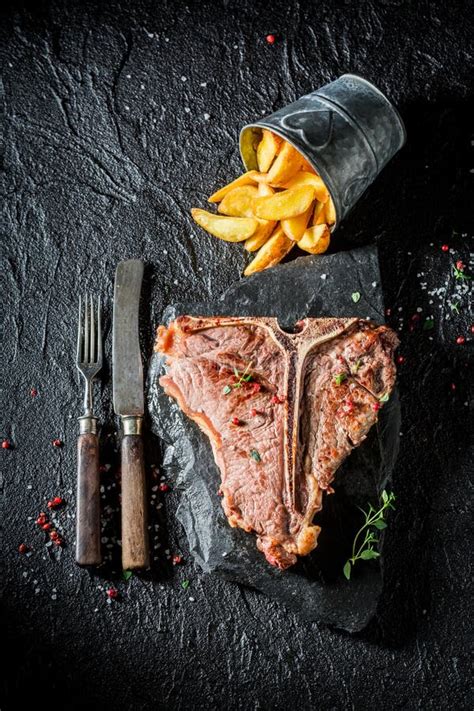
(459, 274)
(428, 324)
(385, 397)
(127, 574)
(347, 570)
(455, 307)
(236, 372)
(365, 538)
(356, 366)
(255, 455)
(355, 296)
(226, 389)
(339, 378)
(185, 584)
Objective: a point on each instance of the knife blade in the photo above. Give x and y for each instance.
(129, 404)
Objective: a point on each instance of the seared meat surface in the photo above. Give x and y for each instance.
(282, 412)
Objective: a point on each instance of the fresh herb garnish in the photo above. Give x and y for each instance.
(339, 378)
(243, 377)
(355, 296)
(459, 274)
(455, 307)
(356, 366)
(384, 398)
(428, 324)
(185, 584)
(127, 574)
(226, 389)
(255, 455)
(373, 518)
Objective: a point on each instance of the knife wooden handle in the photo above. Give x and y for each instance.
(135, 551)
(88, 501)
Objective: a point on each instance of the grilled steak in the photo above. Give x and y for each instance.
(282, 411)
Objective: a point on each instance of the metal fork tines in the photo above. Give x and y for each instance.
(89, 347)
(88, 362)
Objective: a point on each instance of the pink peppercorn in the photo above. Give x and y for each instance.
(270, 39)
(164, 487)
(33, 392)
(57, 443)
(445, 247)
(177, 559)
(112, 593)
(376, 406)
(256, 387)
(460, 340)
(235, 421)
(6, 444)
(400, 360)
(23, 548)
(460, 265)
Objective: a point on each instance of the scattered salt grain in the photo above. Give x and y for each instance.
(324, 276)
(192, 599)
(203, 84)
(183, 78)
(207, 117)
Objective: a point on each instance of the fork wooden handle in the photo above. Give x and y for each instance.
(135, 550)
(88, 500)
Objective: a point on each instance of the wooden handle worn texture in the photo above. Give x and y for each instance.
(88, 501)
(135, 551)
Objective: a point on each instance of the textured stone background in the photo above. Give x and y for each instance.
(118, 117)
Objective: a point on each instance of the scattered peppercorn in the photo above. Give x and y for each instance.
(388, 312)
(33, 392)
(376, 406)
(277, 400)
(415, 317)
(177, 559)
(54, 503)
(164, 486)
(253, 412)
(58, 542)
(57, 443)
(460, 265)
(23, 548)
(6, 444)
(256, 387)
(54, 535)
(112, 593)
(453, 386)
(460, 340)
(400, 359)
(41, 520)
(236, 421)
(348, 407)
(445, 247)
(270, 39)
(47, 526)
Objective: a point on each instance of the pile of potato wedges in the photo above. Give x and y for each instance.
(270, 210)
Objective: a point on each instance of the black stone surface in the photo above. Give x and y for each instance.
(315, 588)
(96, 169)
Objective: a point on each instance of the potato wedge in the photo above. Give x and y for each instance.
(285, 204)
(287, 163)
(245, 179)
(319, 214)
(315, 239)
(330, 212)
(306, 166)
(294, 227)
(230, 229)
(239, 202)
(264, 189)
(271, 253)
(267, 150)
(305, 178)
(263, 232)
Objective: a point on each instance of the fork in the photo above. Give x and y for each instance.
(89, 363)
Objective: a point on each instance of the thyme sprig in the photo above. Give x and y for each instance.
(366, 538)
(243, 377)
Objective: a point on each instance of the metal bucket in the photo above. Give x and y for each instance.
(348, 130)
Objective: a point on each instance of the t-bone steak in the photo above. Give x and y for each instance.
(282, 411)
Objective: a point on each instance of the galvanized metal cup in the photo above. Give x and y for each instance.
(348, 130)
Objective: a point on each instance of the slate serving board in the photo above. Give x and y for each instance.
(315, 587)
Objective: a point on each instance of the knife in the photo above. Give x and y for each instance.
(129, 404)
